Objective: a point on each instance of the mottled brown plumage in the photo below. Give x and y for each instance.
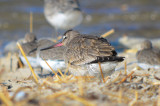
(84, 52)
(85, 49)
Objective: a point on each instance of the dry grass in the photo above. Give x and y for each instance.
(69, 90)
(108, 33)
(24, 55)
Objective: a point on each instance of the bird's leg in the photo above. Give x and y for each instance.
(50, 74)
(41, 71)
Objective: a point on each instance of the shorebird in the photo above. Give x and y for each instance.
(63, 14)
(29, 37)
(54, 57)
(148, 57)
(28, 45)
(84, 53)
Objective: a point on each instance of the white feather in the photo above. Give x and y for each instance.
(93, 69)
(54, 64)
(65, 20)
(32, 61)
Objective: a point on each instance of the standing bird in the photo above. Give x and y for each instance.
(148, 57)
(63, 14)
(84, 53)
(29, 44)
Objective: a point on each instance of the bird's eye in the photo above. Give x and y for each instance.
(64, 37)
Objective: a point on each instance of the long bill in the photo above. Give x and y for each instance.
(58, 44)
(53, 46)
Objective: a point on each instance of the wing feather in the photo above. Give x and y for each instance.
(85, 49)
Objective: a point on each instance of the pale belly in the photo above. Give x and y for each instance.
(93, 69)
(54, 64)
(32, 61)
(65, 21)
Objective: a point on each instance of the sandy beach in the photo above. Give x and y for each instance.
(129, 85)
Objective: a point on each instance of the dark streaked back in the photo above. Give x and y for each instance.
(84, 49)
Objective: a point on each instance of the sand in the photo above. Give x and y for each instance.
(134, 86)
